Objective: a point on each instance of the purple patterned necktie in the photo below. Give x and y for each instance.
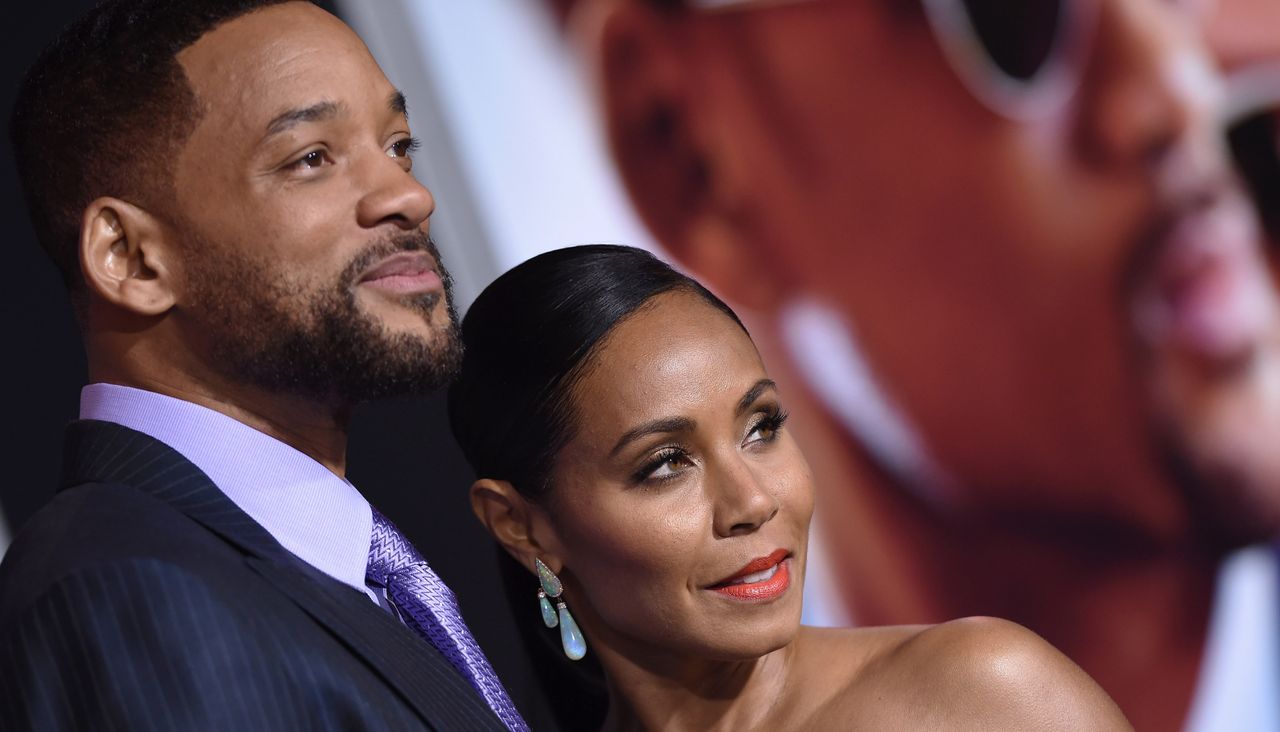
(427, 605)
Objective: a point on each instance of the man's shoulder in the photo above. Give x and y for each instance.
(93, 526)
(153, 633)
(120, 602)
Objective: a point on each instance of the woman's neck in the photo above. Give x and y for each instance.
(687, 694)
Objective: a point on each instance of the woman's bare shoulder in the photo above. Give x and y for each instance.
(975, 672)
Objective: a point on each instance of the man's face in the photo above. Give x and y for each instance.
(1242, 33)
(307, 265)
(1229, 426)
(1016, 283)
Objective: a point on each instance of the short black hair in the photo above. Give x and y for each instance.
(104, 110)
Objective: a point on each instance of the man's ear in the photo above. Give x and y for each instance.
(646, 98)
(654, 77)
(125, 257)
(514, 522)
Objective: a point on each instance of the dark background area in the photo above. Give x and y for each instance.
(401, 454)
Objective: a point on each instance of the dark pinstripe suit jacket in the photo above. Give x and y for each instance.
(141, 597)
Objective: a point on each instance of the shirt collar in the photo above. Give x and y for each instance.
(318, 516)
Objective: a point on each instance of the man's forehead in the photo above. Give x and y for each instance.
(282, 57)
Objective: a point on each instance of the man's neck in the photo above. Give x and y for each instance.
(312, 427)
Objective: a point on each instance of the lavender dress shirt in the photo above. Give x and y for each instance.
(316, 515)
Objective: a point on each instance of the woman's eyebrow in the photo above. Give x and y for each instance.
(665, 424)
(754, 393)
(684, 424)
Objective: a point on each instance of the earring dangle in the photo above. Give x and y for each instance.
(575, 645)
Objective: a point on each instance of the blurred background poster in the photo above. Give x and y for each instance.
(996, 254)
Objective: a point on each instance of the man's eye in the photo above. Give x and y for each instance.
(403, 148)
(313, 159)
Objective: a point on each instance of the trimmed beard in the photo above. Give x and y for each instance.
(265, 328)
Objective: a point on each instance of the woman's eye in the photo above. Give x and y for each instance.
(667, 469)
(767, 428)
(664, 466)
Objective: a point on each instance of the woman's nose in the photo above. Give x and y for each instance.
(744, 501)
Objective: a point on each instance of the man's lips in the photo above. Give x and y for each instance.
(761, 579)
(404, 273)
(1205, 290)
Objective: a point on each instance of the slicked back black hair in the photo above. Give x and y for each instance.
(527, 340)
(104, 111)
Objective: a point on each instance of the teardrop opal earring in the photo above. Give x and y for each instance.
(575, 645)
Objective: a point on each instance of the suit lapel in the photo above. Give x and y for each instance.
(104, 452)
(423, 676)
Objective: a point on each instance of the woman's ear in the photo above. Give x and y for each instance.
(514, 522)
(125, 258)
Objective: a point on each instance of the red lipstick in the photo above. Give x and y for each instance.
(761, 579)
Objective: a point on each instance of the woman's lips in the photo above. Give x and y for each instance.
(761, 579)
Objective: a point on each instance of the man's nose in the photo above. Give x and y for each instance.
(392, 195)
(1150, 86)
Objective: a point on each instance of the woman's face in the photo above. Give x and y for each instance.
(680, 509)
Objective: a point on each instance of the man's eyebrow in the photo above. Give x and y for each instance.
(315, 113)
(753, 394)
(398, 104)
(668, 424)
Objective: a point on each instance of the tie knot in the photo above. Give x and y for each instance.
(389, 550)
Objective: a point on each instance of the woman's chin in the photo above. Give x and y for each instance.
(745, 641)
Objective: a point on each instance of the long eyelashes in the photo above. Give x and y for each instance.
(671, 460)
(769, 425)
(406, 147)
(665, 457)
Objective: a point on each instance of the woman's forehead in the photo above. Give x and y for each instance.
(676, 355)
